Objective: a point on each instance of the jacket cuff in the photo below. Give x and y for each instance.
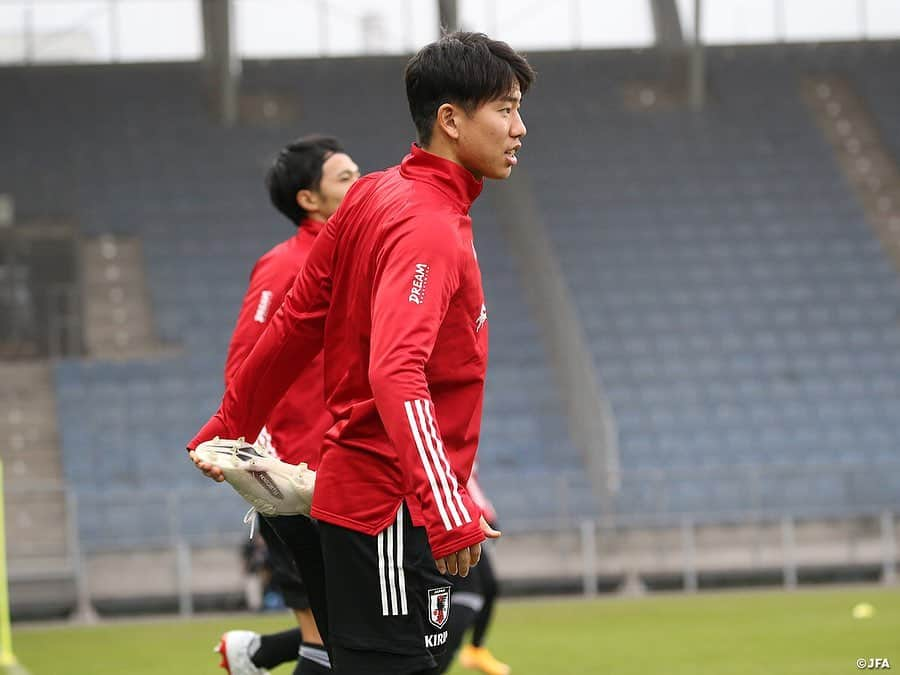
(456, 540)
(214, 427)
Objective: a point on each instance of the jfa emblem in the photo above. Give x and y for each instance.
(439, 606)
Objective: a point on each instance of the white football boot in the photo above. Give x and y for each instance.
(270, 486)
(236, 648)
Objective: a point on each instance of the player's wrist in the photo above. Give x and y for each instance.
(213, 427)
(455, 541)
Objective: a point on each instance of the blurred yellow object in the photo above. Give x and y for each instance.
(8, 663)
(863, 610)
(479, 658)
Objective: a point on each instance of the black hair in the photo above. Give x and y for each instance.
(466, 69)
(298, 167)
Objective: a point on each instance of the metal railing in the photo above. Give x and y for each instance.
(589, 546)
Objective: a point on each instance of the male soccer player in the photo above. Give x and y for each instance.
(306, 183)
(392, 290)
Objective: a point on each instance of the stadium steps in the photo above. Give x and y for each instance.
(118, 318)
(36, 526)
(30, 448)
(862, 154)
(37, 531)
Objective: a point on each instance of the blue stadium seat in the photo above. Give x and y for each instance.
(737, 305)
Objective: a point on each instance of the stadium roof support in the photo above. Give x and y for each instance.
(448, 15)
(697, 73)
(681, 58)
(221, 58)
(667, 25)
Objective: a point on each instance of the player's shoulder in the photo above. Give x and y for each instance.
(427, 232)
(277, 253)
(363, 196)
(430, 215)
(427, 210)
(368, 184)
(282, 259)
(435, 223)
(395, 207)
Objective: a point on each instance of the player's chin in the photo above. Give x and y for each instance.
(499, 172)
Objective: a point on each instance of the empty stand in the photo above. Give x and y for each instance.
(739, 310)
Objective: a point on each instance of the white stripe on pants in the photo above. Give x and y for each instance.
(391, 576)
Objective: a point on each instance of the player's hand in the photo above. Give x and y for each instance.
(489, 531)
(459, 562)
(208, 469)
(462, 561)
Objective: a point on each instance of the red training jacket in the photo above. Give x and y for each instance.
(392, 289)
(298, 422)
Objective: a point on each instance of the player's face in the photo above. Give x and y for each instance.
(339, 172)
(491, 135)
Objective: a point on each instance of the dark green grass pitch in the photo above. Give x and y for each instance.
(800, 633)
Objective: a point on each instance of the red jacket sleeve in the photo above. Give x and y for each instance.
(416, 276)
(269, 282)
(292, 339)
(481, 499)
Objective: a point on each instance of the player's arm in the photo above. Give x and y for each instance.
(269, 282)
(481, 499)
(417, 274)
(290, 341)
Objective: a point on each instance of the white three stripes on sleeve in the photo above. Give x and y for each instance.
(452, 476)
(391, 575)
(437, 468)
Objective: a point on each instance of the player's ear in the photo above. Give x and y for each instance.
(308, 200)
(448, 120)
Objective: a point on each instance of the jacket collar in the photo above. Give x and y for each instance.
(452, 179)
(309, 226)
